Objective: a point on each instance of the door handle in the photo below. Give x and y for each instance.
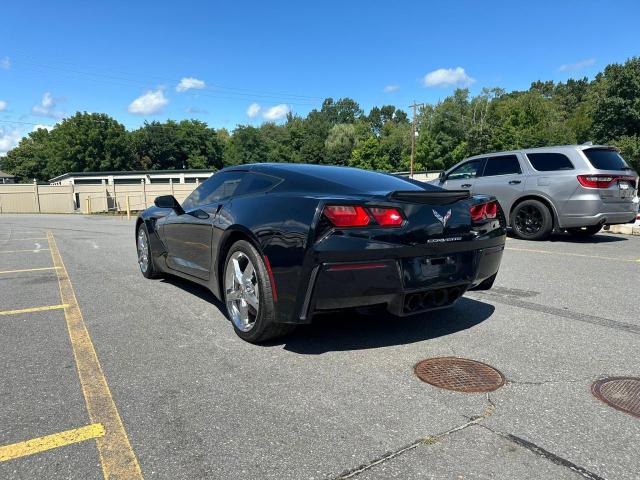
(515, 182)
(465, 185)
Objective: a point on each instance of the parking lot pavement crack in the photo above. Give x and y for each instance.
(547, 455)
(559, 312)
(428, 440)
(548, 382)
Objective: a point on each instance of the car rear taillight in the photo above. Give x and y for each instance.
(484, 211)
(387, 217)
(596, 181)
(346, 215)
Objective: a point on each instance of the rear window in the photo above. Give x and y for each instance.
(602, 159)
(547, 162)
(503, 165)
(258, 182)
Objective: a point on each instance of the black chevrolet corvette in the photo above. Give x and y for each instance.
(279, 242)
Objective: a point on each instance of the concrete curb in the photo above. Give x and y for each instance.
(629, 229)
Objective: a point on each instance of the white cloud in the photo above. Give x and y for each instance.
(5, 63)
(9, 139)
(47, 107)
(253, 110)
(150, 103)
(43, 126)
(276, 112)
(447, 77)
(188, 83)
(572, 67)
(391, 88)
(3, 105)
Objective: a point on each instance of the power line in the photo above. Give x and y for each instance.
(125, 79)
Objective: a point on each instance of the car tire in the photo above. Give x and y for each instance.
(531, 220)
(145, 257)
(585, 231)
(245, 274)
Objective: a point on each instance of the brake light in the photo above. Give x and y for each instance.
(387, 217)
(484, 211)
(346, 215)
(596, 181)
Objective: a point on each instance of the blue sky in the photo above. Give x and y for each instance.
(129, 58)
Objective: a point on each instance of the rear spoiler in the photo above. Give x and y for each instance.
(436, 197)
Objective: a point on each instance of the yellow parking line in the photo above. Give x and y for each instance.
(41, 444)
(28, 270)
(116, 455)
(26, 250)
(566, 254)
(33, 309)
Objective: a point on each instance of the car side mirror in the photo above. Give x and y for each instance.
(442, 177)
(168, 201)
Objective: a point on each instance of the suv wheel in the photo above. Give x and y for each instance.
(531, 220)
(585, 231)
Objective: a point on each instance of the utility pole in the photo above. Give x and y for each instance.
(413, 135)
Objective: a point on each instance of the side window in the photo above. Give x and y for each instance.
(219, 186)
(502, 165)
(257, 182)
(466, 170)
(548, 162)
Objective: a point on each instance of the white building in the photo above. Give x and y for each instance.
(7, 178)
(132, 177)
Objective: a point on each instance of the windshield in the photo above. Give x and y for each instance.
(605, 159)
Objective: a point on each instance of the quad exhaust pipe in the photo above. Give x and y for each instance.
(415, 302)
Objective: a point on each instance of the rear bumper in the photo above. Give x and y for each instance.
(406, 285)
(588, 209)
(605, 218)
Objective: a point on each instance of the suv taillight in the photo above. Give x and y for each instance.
(357, 216)
(484, 211)
(596, 181)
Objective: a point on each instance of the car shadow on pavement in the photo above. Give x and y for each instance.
(568, 238)
(194, 289)
(351, 330)
(597, 238)
(357, 330)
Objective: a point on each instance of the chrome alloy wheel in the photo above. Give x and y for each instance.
(143, 250)
(242, 293)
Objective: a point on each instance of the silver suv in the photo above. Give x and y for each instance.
(578, 188)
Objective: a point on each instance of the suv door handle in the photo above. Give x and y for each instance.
(515, 182)
(464, 185)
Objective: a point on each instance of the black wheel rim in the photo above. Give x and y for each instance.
(529, 220)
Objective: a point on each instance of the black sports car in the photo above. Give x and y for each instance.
(278, 242)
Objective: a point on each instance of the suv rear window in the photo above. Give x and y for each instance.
(547, 162)
(503, 165)
(605, 159)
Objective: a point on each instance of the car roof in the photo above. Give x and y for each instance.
(334, 178)
(551, 149)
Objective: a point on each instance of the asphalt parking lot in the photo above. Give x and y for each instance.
(108, 375)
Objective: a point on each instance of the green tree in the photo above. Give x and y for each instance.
(340, 143)
(246, 145)
(616, 111)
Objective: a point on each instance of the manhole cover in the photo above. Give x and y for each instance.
(459, 374)
(622, 393)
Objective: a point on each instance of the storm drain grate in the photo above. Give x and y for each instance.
(459, 374)
(622, 393)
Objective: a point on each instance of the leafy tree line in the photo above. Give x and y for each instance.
(603, 110)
